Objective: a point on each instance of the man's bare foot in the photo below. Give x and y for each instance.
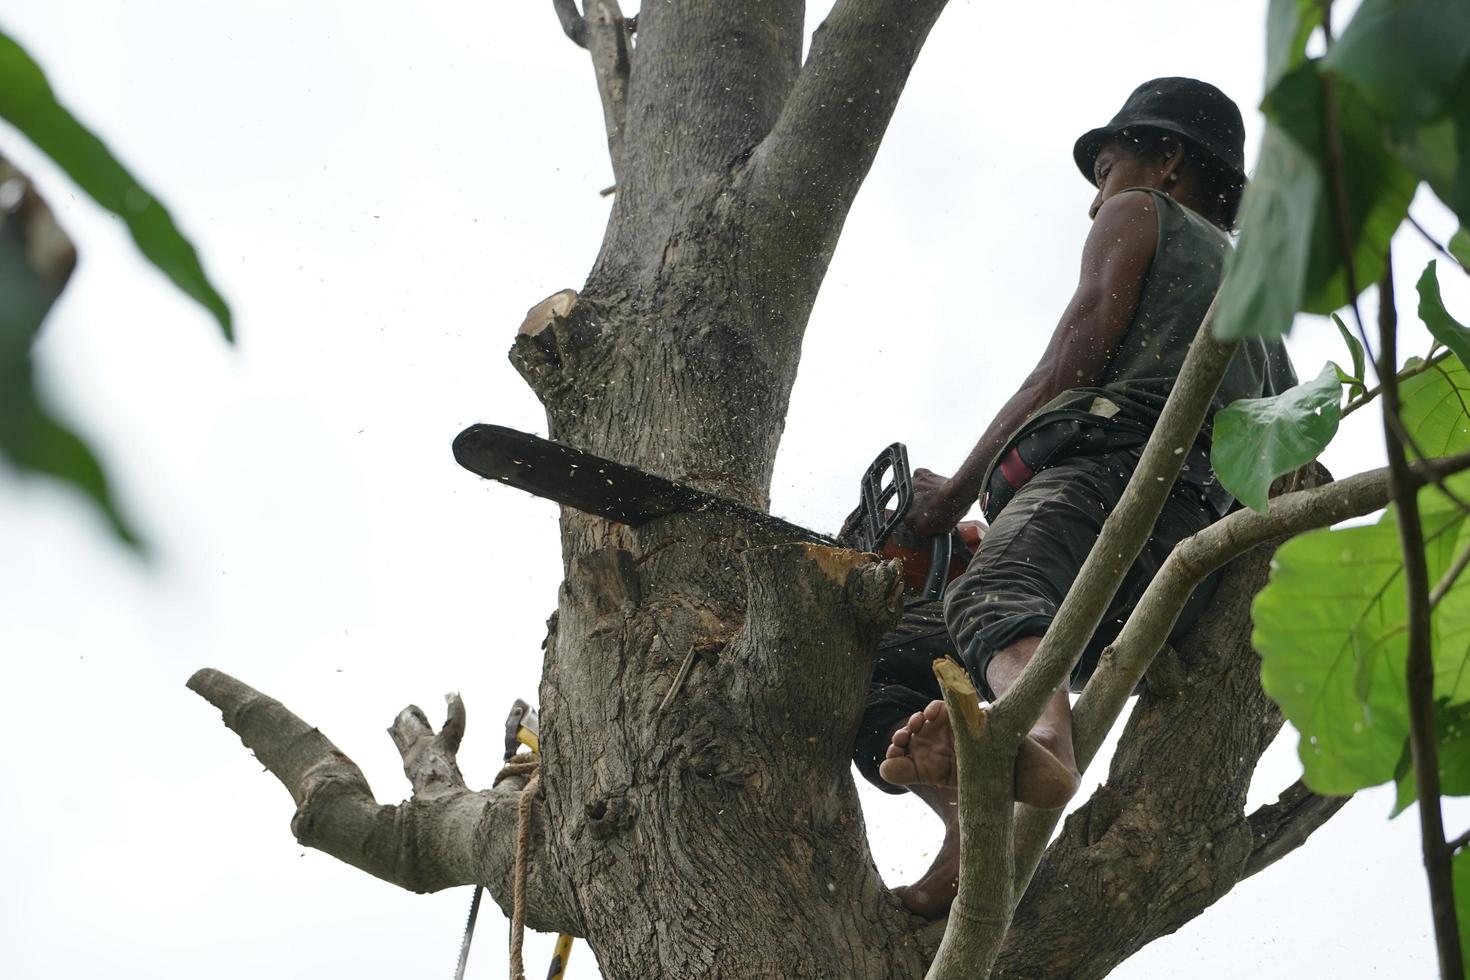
(1045, 778)
(922, 753)
(922, 750)
(934, 891)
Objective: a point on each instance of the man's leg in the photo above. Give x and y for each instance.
(1006, 597)
(921, 752)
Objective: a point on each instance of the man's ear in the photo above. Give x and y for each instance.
(1174, 158)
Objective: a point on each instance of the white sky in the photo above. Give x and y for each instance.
(381, 190)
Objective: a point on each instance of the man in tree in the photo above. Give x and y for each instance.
(1055, 460)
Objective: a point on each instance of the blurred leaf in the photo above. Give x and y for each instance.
(1255, 440)
(1422, 100)
(1404, 56)
(27, 102)
(1459, 246)
(1436, 408)
(1452, 726)
(36, 259)
(1289, 259)
(1378, 185)
(1439, 150)
(1288, 25)
(1265, 275)
(1445, 328)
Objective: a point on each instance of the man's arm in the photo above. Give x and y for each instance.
(1115, 260)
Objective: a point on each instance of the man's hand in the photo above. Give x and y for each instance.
(937, 507)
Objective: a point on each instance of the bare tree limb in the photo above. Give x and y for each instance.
(1281, 827)
(447, 835)
(821, 146)
(980, 915)
(606, 35)
(572, 22)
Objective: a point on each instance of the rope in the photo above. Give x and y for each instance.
(523, 847)
(518, 768)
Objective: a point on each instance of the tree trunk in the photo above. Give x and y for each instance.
(718, 833)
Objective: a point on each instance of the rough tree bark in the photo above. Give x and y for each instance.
(713, 829)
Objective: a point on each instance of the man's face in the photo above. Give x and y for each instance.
(1118, 168)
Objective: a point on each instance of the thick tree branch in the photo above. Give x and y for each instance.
(822, 145)
(1281, 827)
(445, 836)
(1166, 835)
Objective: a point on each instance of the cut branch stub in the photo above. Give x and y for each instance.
(541, 316)
(1281, 827)
(429, 760)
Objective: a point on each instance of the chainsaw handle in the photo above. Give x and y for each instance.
(939, 566)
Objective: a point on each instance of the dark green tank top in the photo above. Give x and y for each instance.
(1181, 281)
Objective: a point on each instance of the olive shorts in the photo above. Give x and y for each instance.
(1014, 585)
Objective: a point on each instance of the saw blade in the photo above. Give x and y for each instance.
(469, 933)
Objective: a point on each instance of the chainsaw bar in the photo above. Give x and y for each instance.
(599, 486)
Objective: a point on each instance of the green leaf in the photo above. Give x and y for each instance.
(1459, 246)
(36, 259)
(1405, 56)
(1355, 388)
(1330, 625)
(1452, 727)
(1436, 408)
(1445, 328)
(27, 102)
(1255, 440)
(1355, 348)
(1288, 25)
(1331, 649)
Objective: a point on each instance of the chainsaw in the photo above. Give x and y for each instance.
(628, 495)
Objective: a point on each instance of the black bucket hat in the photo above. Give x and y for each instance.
(1187, 107)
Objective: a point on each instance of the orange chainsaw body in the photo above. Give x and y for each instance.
(916, 561)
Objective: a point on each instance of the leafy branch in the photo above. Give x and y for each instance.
(36, 259)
